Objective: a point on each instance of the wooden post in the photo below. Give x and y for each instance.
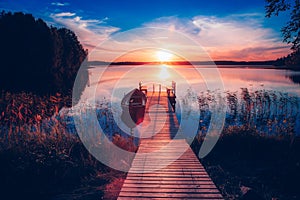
(174, 87)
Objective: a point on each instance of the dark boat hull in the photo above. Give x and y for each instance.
(132, 116)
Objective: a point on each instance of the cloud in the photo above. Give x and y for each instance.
(234, 37)
(59, 4)
(231, 32)
(64, 14)
(251, 53)
(89, 31)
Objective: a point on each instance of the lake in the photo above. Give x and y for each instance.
(126, 77)
(264, 98)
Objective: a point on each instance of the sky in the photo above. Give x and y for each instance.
(120, 30)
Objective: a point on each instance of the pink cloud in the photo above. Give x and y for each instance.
(235, 37)
(90, 32)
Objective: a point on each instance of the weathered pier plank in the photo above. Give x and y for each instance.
(165, 168)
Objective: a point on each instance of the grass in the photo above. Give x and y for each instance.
(40, 159)
(268, 112)
(28, 108)
(242, 158)
(259, 147)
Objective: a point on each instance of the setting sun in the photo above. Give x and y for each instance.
(164, 56)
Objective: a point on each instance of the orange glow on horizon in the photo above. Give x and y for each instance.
(216, 54)
(149, 55)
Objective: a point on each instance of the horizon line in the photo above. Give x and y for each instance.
(217, 62)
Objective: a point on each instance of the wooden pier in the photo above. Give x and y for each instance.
(164, 167)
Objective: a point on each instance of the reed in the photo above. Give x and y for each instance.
(268, 112)
(41, 154)
(259, 146)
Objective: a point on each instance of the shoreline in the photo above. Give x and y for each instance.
(238, 65)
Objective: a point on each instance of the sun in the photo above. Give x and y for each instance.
(164, 56)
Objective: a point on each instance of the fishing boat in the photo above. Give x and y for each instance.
(133, 108)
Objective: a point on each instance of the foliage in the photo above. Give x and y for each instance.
(291, 32)
(267, 165)
(292, 60)
(37, 58)
(28, 108)
(260, 138)
(36, 164)
(41, 157)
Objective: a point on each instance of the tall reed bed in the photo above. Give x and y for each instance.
(268, 112)
(258, 150)
(41, 154)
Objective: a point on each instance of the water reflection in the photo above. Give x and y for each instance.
(233, 79)
(264, 99)
(295, 78)
(164, 73)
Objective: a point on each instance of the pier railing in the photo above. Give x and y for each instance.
(171, 91)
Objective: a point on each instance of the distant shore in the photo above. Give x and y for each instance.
(220, 64)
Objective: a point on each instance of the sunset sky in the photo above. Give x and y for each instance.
(227, 30)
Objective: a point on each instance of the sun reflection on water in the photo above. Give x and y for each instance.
(164, 72)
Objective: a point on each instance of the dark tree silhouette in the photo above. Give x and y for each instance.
(37, 58)
(291, 32)
(292, 60)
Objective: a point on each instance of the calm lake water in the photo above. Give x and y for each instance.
(118, 80)
(264, 98)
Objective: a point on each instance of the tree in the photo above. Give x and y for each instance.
(37, 58)
(67, 57)
(291, 32)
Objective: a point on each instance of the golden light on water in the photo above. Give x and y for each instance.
(164, 73)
